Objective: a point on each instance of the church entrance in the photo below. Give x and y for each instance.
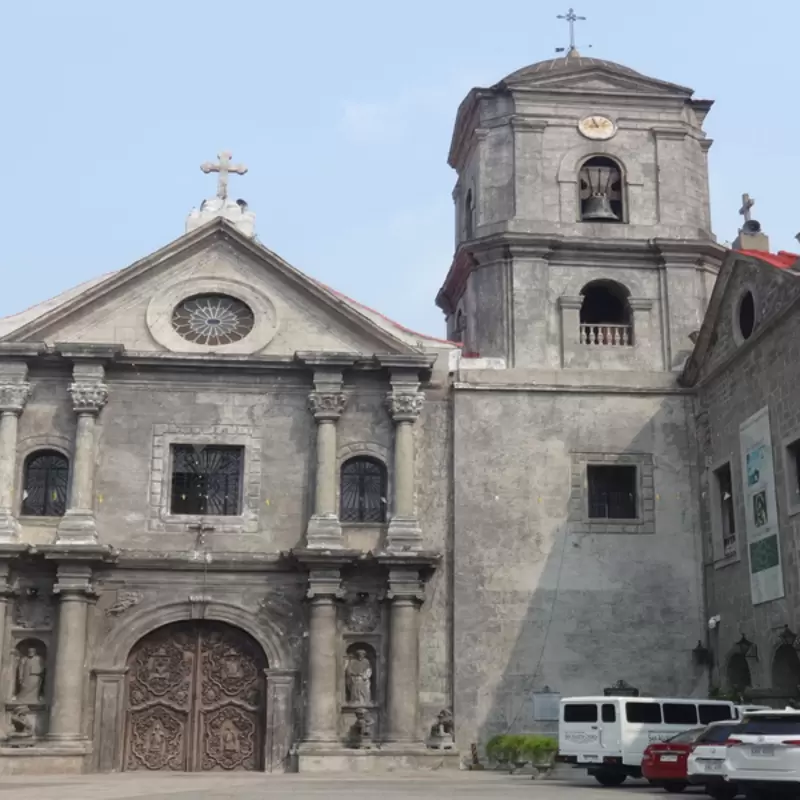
(195, 700)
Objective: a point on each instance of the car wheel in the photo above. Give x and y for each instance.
(674, 787)
(610, 778)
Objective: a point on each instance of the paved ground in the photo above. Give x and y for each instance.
(439, 786)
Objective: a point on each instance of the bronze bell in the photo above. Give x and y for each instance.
(597, 204)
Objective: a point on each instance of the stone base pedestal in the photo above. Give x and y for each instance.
(77, 527)
(9, 528)
(42, 759)
(381, 758)
(324, 532)
(404, 534)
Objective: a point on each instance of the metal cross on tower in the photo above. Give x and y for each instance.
(571, 17)
(747, 204)
(224, 168)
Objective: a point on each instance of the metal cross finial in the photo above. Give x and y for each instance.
(747, 204)
(224, 168)
(571, 17)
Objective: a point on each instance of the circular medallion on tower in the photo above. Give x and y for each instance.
(213, 319)
(597, 127)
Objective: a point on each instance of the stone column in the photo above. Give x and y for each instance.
(405, 404)
(89, 395)
(322, 710)
(13, 397)
(280, 719)
(327, 403)
(405, 595)
(66, 713)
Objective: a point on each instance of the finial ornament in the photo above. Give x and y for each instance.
(224, 168)
(747, 203)
(571, 17)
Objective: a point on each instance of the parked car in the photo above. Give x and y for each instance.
(607, 736)
(706, 763)
(763, 755)
(664, 763)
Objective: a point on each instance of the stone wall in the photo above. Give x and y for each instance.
(540, 597)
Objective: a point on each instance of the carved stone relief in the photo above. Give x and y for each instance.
(124, 601)
(32, 611)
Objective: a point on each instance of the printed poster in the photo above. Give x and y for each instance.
(761, 509)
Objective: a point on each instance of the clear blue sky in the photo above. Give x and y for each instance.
(343, 112)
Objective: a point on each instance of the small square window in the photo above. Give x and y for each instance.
(727, 514)
(612, 491)
(206, 480)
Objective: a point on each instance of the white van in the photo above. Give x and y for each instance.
(608, 735)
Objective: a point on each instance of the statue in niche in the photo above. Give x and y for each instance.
(442, 731)
(30, 676)
(358, 679)
(157, 739)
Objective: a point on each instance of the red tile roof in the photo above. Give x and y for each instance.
(781, 259)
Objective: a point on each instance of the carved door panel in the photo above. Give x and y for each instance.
(195, 700)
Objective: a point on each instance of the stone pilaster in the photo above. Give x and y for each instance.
(326, 402)
(75, 591)
(280, 719)
(404, 403)
(14, 395)
(322, 709)
(405, 595)
(89, 395)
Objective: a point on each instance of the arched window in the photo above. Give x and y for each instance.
(44, 492)
(601, 191)
(469, 216)
(739, 673)
(786, 671)
(363, 490)
(605, 315)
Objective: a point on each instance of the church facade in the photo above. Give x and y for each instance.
(249, 523)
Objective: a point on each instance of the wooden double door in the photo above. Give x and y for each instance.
(195, 700)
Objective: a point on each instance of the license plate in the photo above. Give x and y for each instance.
(713, 766)
(589, 758)
(668, 758)
(762, 750)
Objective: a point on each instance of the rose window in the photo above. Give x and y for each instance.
(213, 319)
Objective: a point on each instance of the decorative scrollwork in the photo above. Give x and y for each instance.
(124, 601)
(404, 406)
(327, 405)
(228, 671)
(14, 396)
(230, 736)
(157, 740)
(88, 397)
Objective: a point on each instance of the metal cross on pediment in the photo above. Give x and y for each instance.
(224, 168)
(747, 203)
(571, 17)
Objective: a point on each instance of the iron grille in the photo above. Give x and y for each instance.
(612, 492)
(363, 491)
(46, 480)
(206, 480)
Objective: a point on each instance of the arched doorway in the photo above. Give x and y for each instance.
(195, 700)
(786, 671)
(738, 673)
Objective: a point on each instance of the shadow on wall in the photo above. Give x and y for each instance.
(577, 606)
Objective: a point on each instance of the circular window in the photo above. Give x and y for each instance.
(213, 319)
(747, 315)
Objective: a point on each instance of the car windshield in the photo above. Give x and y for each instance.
(716, 734)
(771, 725)
(686, 737)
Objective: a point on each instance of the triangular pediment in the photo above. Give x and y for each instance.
(772, 290)
(597, 80)
(290, 312)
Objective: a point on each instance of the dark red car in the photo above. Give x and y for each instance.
(664, 763)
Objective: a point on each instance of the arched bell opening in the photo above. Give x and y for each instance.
(601, 190)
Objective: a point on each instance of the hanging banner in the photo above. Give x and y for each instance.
(760, 509)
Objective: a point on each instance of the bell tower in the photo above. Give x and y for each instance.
(583, 231)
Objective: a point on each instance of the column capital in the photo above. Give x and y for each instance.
(74, 580)
(14, 396)
(327, 406)
(325, 585)
(405, 585)
(88, 398)
(404, 405)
